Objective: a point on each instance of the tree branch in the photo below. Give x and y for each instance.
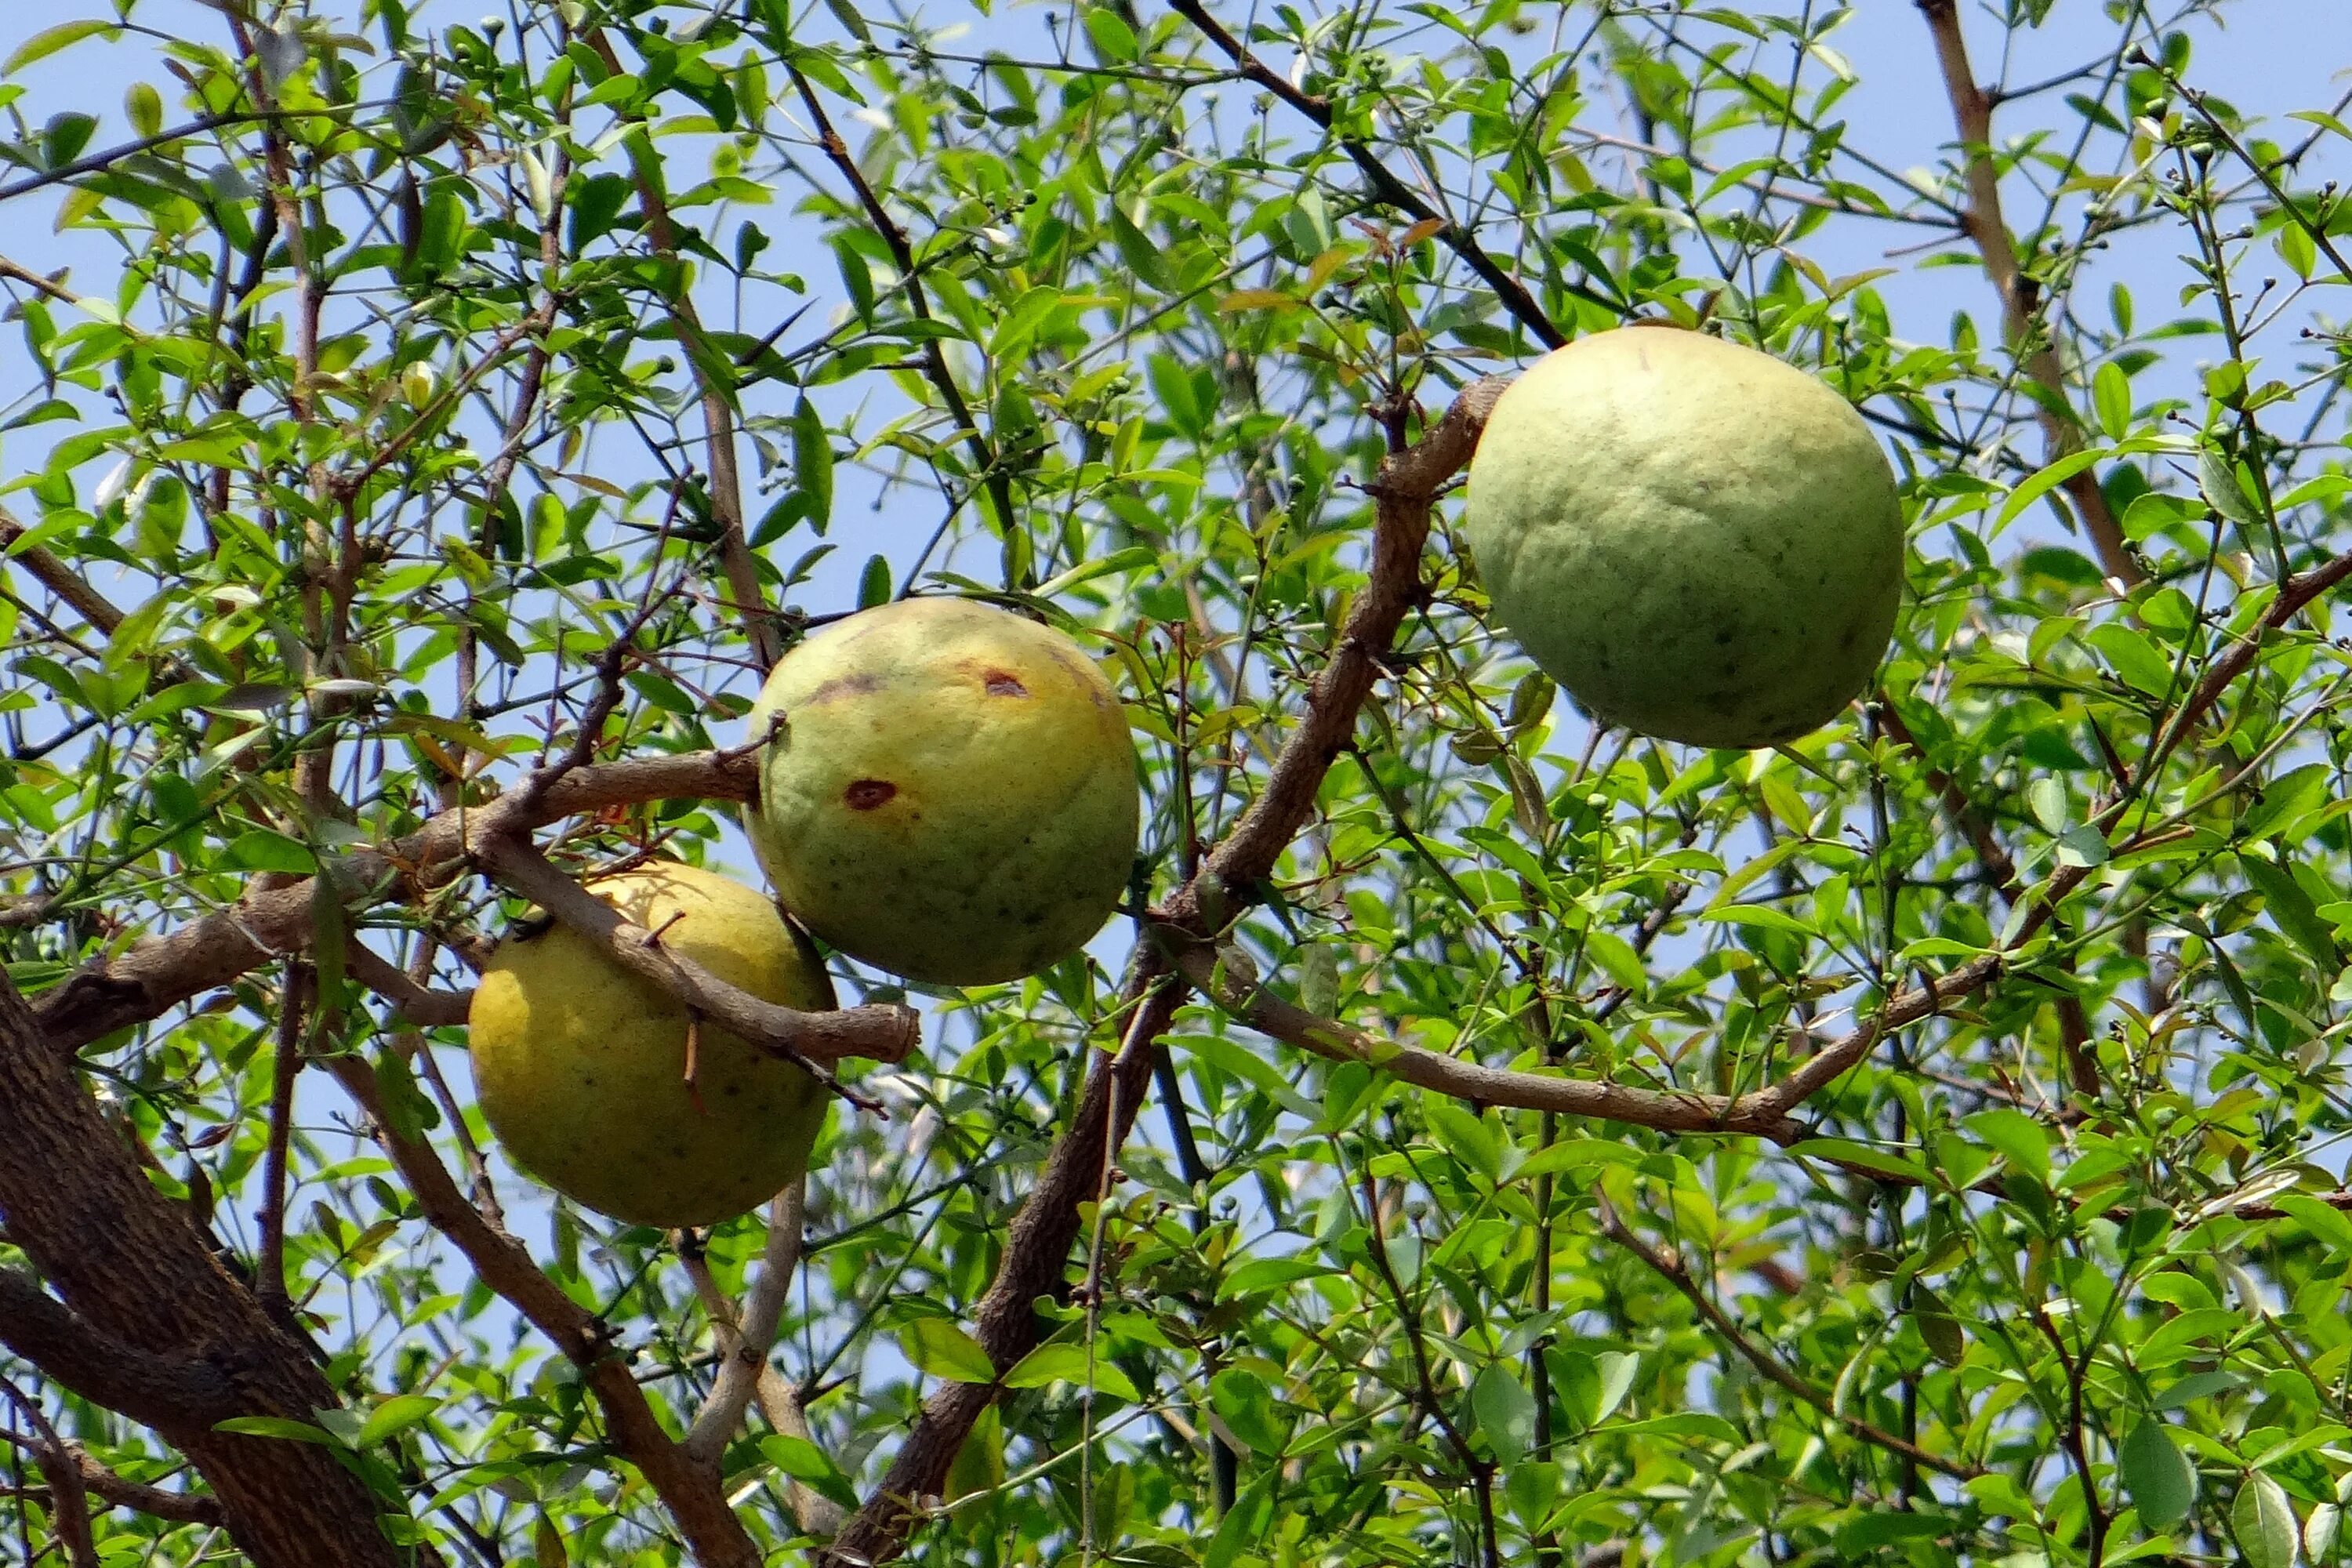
(115, 1489)
(1671, 1269)
(1037, 1252)
(808, 1040)
(690, 1490)
(991, 469)
(741, 569)
(1035, 1262)
(422, 1006)
(158, 974)
(68, 1499)
(1390, 191)
(2028, 338)
(745, 1337)
(169, 1392)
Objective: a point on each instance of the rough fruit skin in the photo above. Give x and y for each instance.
(949, 794)
(1700, 542)
(578, 1063)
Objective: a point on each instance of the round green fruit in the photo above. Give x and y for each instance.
(581, 1066)
(947, 791)
(1698, 542)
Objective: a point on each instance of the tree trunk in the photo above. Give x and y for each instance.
(130, 1264)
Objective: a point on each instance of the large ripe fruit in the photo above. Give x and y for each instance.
(580, 1065)
(1698, 542)
(949, 792)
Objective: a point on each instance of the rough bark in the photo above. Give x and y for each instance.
(127, 1263)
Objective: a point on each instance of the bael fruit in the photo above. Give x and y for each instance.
(579, 1065)
(947, 792)
(1698, 542)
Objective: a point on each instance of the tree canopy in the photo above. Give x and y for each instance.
(1484, 1134)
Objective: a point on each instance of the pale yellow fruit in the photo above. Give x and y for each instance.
(949, 793)
(1698, 542)
(579, 1065)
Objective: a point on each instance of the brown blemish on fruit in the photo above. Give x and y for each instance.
(868, 793)
(1004, 683)
(843, 686)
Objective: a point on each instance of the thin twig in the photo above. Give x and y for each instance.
(1671, 1270)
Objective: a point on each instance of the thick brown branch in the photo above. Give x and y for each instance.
(2028, 337)
(1035, 1261)
(148, 1317)
(118, 1490)
(160, 973)
(169, 1392)
(60, 579)
(422, 1006)
(1408, 484)
(1269, 1015)
(2293, 594)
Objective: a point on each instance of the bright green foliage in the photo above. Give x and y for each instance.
(443, 355)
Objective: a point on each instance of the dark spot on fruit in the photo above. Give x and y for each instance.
(868, 793)
(1723, 637)
(1005, 683)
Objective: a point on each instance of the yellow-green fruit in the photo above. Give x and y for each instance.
(580, 1065)
(947, 791)
(1698, 542)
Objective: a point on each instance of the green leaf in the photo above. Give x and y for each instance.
(1260, 1275)
(395, 1414)
(874, 582)
(1505, 1412)
(804, 1461)
(813, 463)
(1246, 1405)
(2016, 1136)
(1868, 1157)
(1617, 1370)
(2263, 1521)
(1140, 253)
(1252, 1511)
(1064, 1363)
(1111, 34)
(2042, 483)
(2291, 910)
(143, 106)
(1945, 1339)
(2111, 396)
(939, 1347)
(2225, 491)
(49, 40)
(277, 1426)
(2161, 1481)
(2325, 1221)
(264, 851)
